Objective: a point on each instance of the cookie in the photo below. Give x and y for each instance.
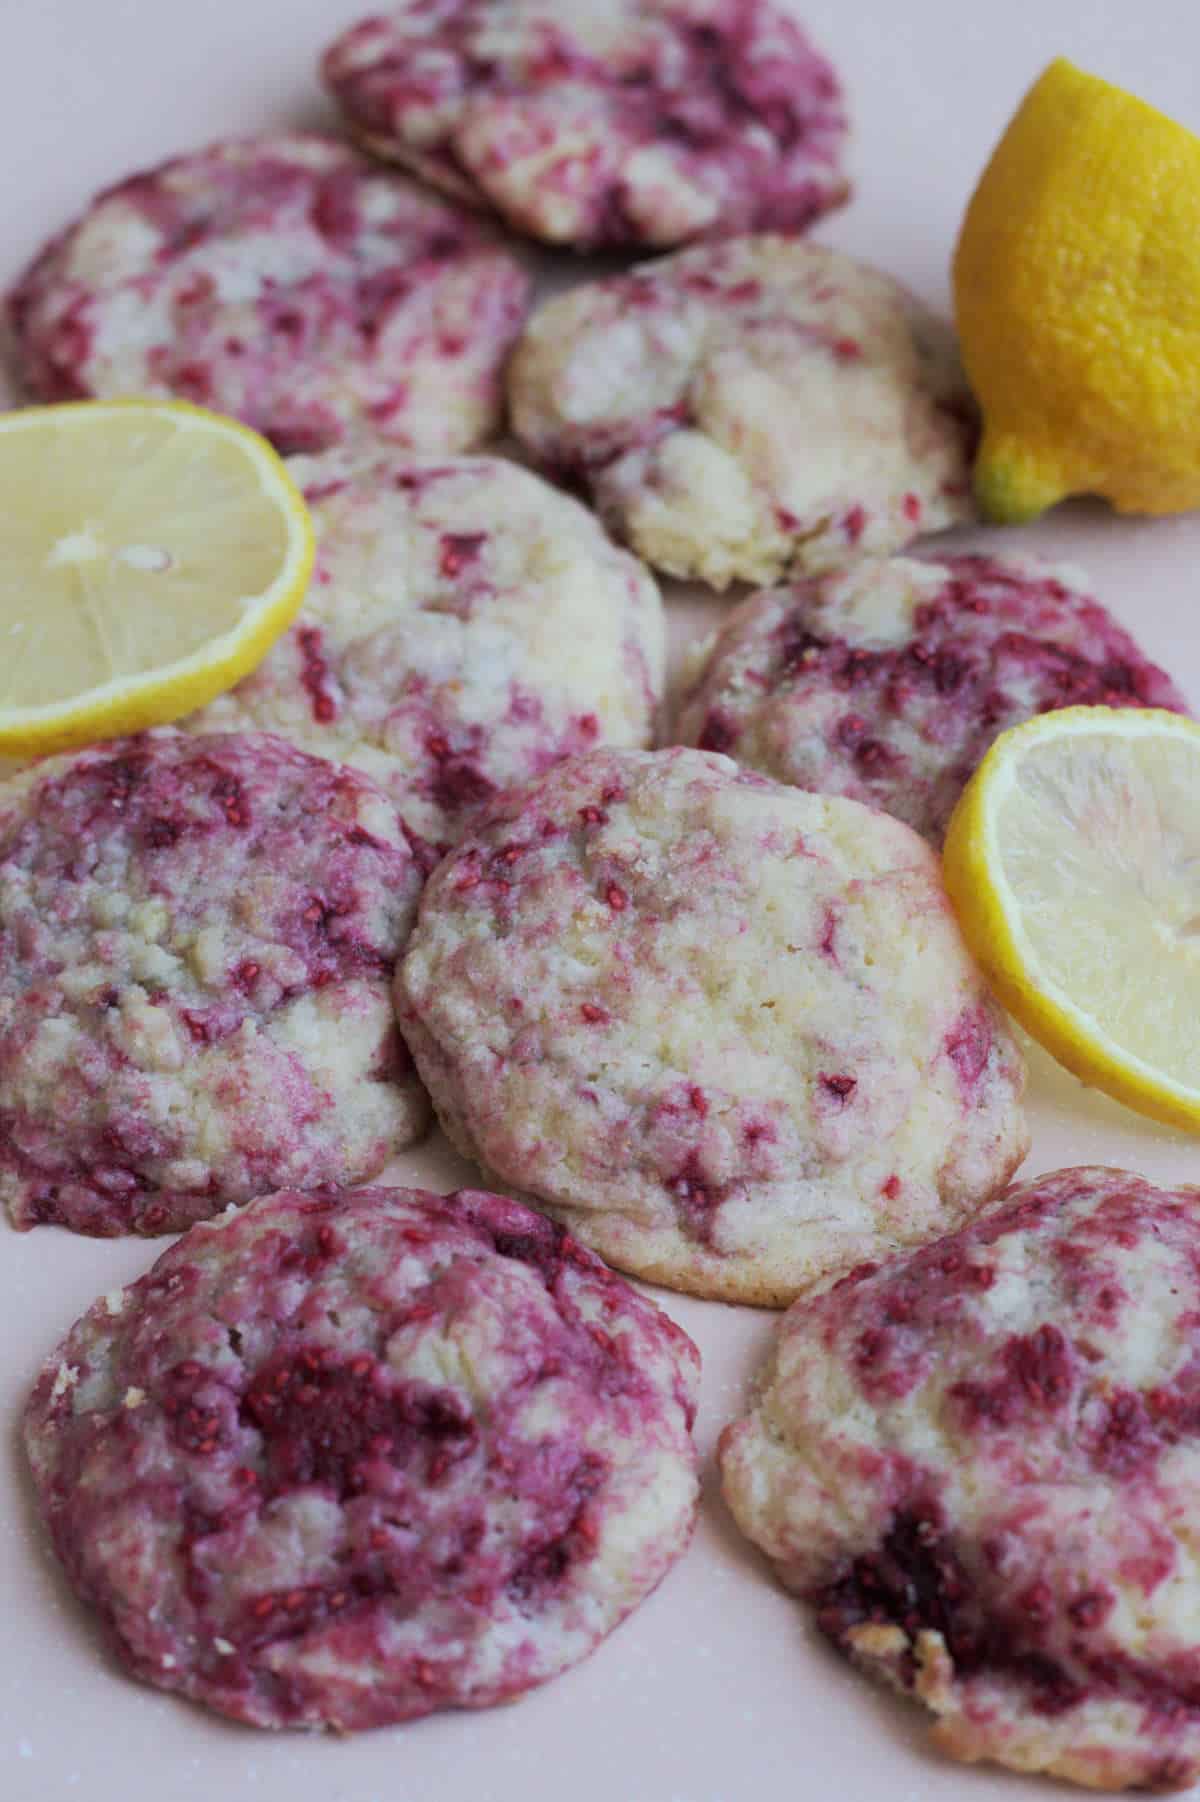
(749, 410)
(726, 1031)
(466, 627)
(888, 681)
(197, 937)
(978, 1464)
(284, 280)
(611, 123)
(340, 1460)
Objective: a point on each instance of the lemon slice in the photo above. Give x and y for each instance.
(150, 554)
(1073, 862)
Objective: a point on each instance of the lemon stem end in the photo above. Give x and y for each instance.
(1009, 489)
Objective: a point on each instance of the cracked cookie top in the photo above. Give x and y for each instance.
(728, 1031)
(606, 123)
(977, 1463)
(197, 938)
(287, 281)
(342, 1459)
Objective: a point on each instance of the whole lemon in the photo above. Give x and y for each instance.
(1077, 295)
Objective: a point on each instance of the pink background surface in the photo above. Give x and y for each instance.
(717, 1688)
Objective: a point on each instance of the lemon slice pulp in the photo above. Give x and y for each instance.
(1073, 862)
(150, 555)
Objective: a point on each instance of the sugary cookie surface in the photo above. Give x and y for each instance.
(887, 682)
(978, 1463)
(197, 937)
(466, 627)
(726, 1030)
(750, 409)
(287, 281)
(340, 1460)
(606, 122)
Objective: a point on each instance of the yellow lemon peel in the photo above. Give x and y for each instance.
(1077, 298)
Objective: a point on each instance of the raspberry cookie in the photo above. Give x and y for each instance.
(888, 681)
(467, 627)
(608, 122)
(197, 938)
(750, 409)
(340, 1460)
(727, 1031)
(979, 1464)
(285, 281)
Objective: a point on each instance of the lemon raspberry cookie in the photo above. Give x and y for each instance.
(609, 122)
(285, 280)
(978, 1463)
(467, 626)
(197, 938)
(726, 1030)
(750, 409)
(342, 1459)
(888, 681)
